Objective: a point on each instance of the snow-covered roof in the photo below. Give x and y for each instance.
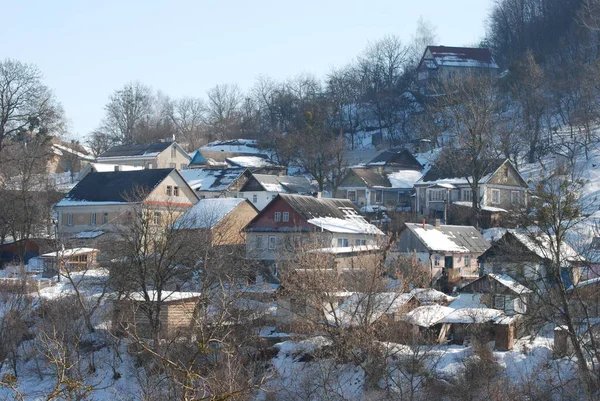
(67, 253)
(473, 57)
(349, 226)
(509, 282)
(88, 234)
(285, 184)
(466, 300)
(404, 179)
(107, 167)
(234, 146)
(58, 149)
(472, 315)
(363, 308)
(347, 249)
(540, 244)
(485, 208)
(430, 295)
(584, 283)
(250, 161)
(216, 180)
(427, 315)
(165, 295)
(447, 238)
(207, 213)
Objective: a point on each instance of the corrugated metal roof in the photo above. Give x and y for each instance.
(136, 150)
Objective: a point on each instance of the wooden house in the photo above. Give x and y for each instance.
(222, 220)
(178, 314)
(439, 64)
(74, 259)
(501, 188)
(501, 292)
(527, 257)
(449, 252)
(386, 181)
(260, 189)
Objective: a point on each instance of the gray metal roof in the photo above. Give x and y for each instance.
(461, 236)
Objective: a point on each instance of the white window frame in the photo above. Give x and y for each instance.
(175, 191)
(380, 193)
(495, 194)
(360, 242)
(169, 190)
(437, 261)
(259, 242)
(277, 216)
(182, 166)
(93, 219)
(272, 242)
(69, 219)
(285, 217)
(173, 152)
(254, 198)
(156, 218)
(105, 218)
(352, 199)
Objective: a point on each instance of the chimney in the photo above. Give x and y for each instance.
(423, 224)
(437, 223)
(319, 195)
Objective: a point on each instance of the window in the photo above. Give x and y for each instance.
(437, 195)
(359, 242)
(173, 152)
(467, 194)
(183, 166)
(116, 168)
(272, 242)
(343, 243)
(259, 242)
(379, 196)
(172, 165)
(277, 216)
(175, 191)
(286, 216)
(105, 218)
(169, 190)
(352, 196)
(495, 196)
(157, 218)
(93, 219)
(69, 219)
(467, 259)
(136, 164)
(254, 198)
(273, 196)
(437, 261)
(515, 197)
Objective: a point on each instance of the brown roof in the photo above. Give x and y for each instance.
(371, 177)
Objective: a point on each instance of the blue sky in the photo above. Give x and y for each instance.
(88, 49)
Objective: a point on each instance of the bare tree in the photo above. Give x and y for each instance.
(26, 103)
(223, 114)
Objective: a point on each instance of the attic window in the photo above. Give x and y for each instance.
(169, 190)
(175, 191)
(277, 216)
(173, 151)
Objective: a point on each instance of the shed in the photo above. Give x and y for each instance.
(74, 259)
(178, 313)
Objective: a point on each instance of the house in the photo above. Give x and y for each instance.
(526, 256)
(501, 292)
(291, 222)
(104, 201)
(441, 63)
(260, 189)
(259, 164)
(178, 313)
(74, 259)
(216, 183)
(501, 188)
(67, 157)
(449, 252)
(147, 155)
(221, 219)
(386, 181)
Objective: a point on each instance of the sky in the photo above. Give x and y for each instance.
(88, 49)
